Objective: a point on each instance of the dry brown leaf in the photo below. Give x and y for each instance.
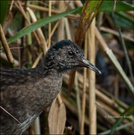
(57, 117)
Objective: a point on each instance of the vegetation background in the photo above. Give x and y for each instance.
(104, 29)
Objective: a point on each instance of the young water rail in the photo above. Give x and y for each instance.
(25, 93)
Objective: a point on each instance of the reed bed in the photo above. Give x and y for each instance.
(88, 103)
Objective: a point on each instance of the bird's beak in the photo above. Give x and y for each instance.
(85, 63)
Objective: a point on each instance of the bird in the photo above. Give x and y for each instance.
(25, 93)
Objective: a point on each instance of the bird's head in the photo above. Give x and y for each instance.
(66, 55)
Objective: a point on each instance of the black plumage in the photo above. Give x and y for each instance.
(25, 93)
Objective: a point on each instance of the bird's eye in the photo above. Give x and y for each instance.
(70, 53)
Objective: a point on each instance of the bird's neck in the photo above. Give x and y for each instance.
(49, 71)
(54, 72)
